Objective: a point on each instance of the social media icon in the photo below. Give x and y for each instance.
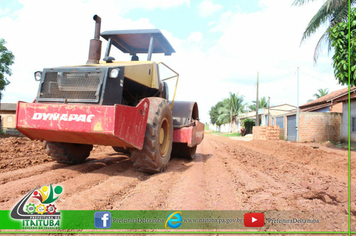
(102, 219)
(174, 220)
(254, 220)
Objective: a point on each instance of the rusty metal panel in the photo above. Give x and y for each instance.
(87, 124)
(130, 123)
(192, 135)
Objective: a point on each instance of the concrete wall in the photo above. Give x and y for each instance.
(319, 126)
(8, 121)
(344, 122)
(265, 132)
(223, 128)
(8, 124)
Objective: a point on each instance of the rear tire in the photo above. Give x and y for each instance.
(182, 150)
(157, 146)
(69, 153)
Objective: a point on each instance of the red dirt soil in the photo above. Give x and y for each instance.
(227, 174)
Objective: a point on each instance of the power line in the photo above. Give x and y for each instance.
(311, 76)
(279, 78)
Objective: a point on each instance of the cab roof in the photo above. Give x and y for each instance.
(138, 41)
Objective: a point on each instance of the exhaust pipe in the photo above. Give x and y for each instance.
(95, 43)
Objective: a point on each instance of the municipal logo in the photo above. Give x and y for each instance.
(44, 214)
(174, 220)
(102, 219)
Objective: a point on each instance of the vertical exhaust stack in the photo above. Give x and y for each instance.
(95, 43)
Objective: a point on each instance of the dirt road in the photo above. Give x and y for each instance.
(288, 178)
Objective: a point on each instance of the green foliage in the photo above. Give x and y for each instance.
(214, 113)
(215, 132)
(248, 124)
(261, 103)
(339, 35)
(6, 60)
(232, 135)
(330, 13)
(231, 108)
(224, 110)
(206, 126)
(321, 93)
(225, 134)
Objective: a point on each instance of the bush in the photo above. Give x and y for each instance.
(248, 124)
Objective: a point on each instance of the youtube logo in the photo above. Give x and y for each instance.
(254, 220)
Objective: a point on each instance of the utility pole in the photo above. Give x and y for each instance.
(297, 120)
(257, 120)
(268, 112)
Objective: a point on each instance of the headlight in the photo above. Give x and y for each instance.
(114, 73)
(38, 75)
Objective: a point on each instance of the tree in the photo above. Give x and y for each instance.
(321, 93)
(248, 124)
(232, 107)
(339, 35)
(331, 12)
(262, 103)
(6, 60)
(214, 113)
(225, 112)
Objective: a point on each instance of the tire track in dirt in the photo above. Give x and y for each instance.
(188, 192)
(306, 154)
(226, 175)
(287, 174)
(102, 195)
(74, 187)
(219, 187)
(152, 194)
(27, 172)
(283, 190)
(249, 184)
(13, 191)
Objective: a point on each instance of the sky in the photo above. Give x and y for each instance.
(220, 46)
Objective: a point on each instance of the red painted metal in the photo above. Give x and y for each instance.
(192, 135)
(118, 125)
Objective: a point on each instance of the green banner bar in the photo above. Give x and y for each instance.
(6, 222)
(165, 220)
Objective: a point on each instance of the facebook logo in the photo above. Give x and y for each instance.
(102, 219)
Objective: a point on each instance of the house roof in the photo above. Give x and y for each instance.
(345, 97)
(294, 107)
(8, 106)
(283, 109)
(326, 99)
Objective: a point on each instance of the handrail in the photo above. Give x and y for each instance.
(177, 75)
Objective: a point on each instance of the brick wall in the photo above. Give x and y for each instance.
(336, 107)
(265, 132)
(319, 126)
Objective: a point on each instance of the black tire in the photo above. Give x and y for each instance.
(157, 146)
(120, 149)
(70, 153)
(182, 150)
